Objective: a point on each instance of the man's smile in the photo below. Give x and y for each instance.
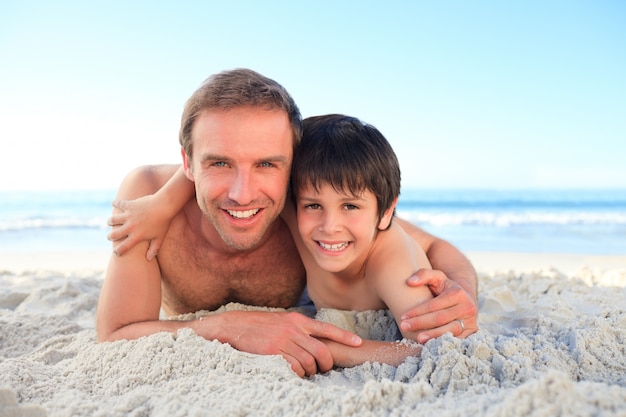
(243, 214)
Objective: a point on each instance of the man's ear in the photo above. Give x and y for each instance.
(385, 221)
(186, 164)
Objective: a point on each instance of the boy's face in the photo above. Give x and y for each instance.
(240, 166)
(338, 228)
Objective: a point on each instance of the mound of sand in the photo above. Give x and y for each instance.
(549, 344)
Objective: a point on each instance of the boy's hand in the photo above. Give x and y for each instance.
(138, 221)
(452, 310)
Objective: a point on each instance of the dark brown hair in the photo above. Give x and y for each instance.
(348, 154)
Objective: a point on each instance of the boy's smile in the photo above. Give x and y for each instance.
(337, 228)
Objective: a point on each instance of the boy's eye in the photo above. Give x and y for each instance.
(313, 206)
(351, 207)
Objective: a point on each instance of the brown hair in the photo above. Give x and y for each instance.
(238, 88)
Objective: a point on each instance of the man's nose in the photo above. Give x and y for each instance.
(242, 188)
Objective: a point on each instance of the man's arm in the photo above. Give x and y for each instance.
(452, 281)
(130, 299)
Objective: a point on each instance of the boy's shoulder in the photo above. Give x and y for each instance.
(393, 243)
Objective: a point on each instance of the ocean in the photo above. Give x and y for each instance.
(561, 221)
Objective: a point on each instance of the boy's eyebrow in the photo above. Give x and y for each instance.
(275, 158)
(301, 197)
(353, 197)
(346, 198)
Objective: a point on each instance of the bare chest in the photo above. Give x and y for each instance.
(195, 276)
(328, 291)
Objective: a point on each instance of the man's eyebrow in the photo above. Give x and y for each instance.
(275, 158)
(213, 157)
(272, 158)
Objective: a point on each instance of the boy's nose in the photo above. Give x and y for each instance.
(330, 223)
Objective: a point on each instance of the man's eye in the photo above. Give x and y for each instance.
(266, 164)
(219, 164)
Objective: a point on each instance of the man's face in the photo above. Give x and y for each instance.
(241, 165)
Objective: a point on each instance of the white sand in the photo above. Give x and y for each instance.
(551, 343)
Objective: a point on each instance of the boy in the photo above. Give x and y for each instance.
(345, 183)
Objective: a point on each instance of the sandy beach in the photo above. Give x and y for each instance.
(552, 341)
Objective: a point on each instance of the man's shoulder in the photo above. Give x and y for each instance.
(146, 179)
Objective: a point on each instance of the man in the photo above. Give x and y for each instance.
(238, 133)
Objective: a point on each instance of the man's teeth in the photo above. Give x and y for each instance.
(245, 214)
(334, 246)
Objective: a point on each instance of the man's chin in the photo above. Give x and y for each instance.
(241, 242)
(243, 238)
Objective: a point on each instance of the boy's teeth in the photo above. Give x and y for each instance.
(245, 214)
(334, 246)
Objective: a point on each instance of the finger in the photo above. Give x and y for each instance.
(117, 233)
(153, 249)
(453, 327)
(117, 219)
(124, 245)
(460, 325)
(432, 319)
(119, 249)
(120, 204)
(319, 352)
(295, 365)
(309, 353)
(430, 306)
(329, 331)
(436, 280)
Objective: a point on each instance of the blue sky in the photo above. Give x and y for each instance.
(480, 94)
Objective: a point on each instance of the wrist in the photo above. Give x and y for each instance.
(168, 203)
(212, 327)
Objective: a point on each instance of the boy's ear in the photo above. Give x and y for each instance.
(186, 164)
(385, 221)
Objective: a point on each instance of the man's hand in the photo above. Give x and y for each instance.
(452, 310)
(289, 334)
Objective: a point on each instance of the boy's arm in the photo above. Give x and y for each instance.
(396, 257)
(391, 353)
(452, 281)
(148, 217)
